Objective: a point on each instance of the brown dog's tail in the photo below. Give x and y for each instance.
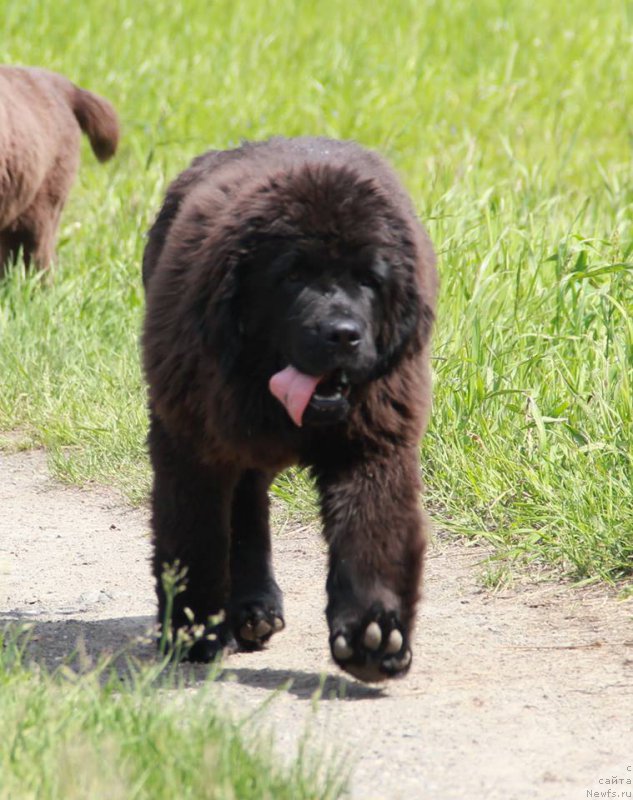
(98, 120)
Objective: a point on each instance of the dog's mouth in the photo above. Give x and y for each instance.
(312, 399)
(329, 403)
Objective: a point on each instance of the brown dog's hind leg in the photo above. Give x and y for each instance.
(191, 510)
(256, 607)
(34, 234)
(38, 224)
(374, 527)
(44, 251)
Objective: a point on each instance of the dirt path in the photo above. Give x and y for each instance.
(526, 694)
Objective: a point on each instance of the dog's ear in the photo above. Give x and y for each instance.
(406, 326)
(217, 314)
(246, 263)
(158, 233)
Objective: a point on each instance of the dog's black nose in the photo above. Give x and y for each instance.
(344, 334)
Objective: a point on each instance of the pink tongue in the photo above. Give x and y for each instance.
(293, 389)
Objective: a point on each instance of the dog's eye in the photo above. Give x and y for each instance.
(370, 280)
(294, 276)
(374, 276)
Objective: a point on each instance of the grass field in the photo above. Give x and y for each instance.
(88, 736)
(509, 122)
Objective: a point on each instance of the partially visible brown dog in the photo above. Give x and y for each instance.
(42, 115)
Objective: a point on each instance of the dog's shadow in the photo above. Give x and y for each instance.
(123, 646)
(303, 685)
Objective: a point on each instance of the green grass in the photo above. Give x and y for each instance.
(510, 123)
(67, 736)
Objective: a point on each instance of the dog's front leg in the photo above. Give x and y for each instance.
(375, 529)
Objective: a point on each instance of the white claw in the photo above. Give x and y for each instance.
(394, 643)
(373, 636)
(405, 660)
(342, 651)
(262, 628)
(398, 664)
(278, 624)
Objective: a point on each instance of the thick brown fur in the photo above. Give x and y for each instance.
(42, 115)
(218, 436)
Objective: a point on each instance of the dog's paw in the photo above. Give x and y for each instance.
(372, 649)
(254, 623)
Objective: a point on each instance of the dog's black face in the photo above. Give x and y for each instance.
(320, 316)
(329, 314)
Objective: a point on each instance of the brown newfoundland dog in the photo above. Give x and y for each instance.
(290, 299)
(42, 115)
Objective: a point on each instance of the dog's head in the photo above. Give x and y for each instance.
(325, 295)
